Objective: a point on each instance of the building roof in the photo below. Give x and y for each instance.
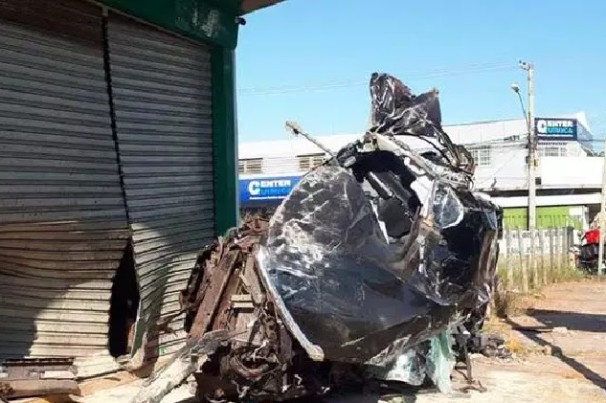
(466, 133)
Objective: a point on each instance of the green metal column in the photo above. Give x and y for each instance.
(225, 139)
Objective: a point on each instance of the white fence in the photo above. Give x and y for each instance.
(534, 254)
(546, 241)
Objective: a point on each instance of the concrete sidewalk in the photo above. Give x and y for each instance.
(561, 357)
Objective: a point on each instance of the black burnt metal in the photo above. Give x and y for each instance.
(354, 267)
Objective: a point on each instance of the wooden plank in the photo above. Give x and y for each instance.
(533, 257)
(219, 277)
(564, 252)
(251, 281)
(241, 298)
(523, 264)
(542, 247)
(243, 305)
(508, 259)
(551, 249)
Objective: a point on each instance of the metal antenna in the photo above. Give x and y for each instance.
(297, 131)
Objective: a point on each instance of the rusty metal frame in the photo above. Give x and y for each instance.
(34, 377)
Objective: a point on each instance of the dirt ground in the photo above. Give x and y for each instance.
(559, 349)
(560, 352)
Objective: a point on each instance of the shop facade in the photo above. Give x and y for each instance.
(118, 142)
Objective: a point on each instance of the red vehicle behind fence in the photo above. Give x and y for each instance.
(587, 259)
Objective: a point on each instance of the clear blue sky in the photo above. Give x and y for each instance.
(310, 60)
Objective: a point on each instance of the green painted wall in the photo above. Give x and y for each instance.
(547, 217)
(196, 19)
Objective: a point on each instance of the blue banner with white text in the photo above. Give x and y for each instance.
(555, 129)
(266, 188)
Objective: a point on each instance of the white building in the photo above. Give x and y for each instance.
(568, 180)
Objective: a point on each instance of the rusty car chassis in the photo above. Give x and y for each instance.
(367, 269)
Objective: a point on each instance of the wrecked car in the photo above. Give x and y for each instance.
(364, 271)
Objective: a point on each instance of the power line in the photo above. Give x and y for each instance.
(443, 72)
(411, 75)
(601, 140)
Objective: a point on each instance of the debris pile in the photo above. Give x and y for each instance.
(35, 376)
(490, 345)
(364, 271)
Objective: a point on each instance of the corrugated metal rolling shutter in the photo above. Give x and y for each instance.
(162, 98)
(62, 216)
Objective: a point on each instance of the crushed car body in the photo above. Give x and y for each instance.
(364, 271)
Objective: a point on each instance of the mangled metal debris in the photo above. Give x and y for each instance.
(365, 270)
(33, 377)
(490, 345)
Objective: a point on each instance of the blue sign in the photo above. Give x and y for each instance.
(555, 129)
(260, 189)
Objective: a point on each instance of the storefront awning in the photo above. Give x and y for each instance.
(248, 6)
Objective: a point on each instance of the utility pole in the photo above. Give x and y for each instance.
(532, 149)
(602, 219)
(532, 173)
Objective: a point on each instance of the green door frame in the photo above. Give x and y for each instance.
(225, 139)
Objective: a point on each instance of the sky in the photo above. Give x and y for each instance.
(310, 60)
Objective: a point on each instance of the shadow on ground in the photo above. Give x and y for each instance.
(584, 322)
(556, 351)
